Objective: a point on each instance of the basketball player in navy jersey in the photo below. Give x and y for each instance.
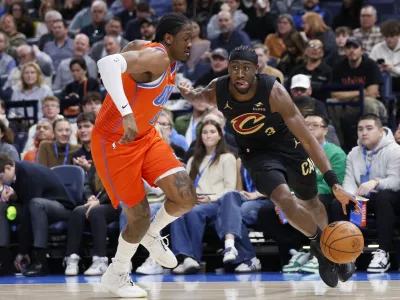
(277, 149)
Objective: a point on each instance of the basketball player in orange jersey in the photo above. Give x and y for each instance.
(126, 147)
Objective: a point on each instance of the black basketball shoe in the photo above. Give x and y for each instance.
(327, 269)
(345, 271)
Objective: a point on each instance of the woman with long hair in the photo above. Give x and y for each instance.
(6, 141)
(315, 28)
(8, 25)
(213, 170)
(200, 46)
(274, 41)
(98, 212)
(294, 54)
(20, 13)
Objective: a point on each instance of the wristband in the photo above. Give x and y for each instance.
(331, 178)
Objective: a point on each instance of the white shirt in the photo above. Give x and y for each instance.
(392, 57)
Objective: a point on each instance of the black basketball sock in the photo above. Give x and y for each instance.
(317, 235)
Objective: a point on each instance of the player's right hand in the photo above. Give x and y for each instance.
(185, 89)
(346, 199)
(130, 129)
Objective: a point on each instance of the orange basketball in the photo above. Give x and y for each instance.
(342, 242)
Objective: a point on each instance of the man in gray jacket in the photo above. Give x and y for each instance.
(373, 172)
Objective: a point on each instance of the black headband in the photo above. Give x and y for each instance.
(244, 55)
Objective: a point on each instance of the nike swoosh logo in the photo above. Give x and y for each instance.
(124, 106)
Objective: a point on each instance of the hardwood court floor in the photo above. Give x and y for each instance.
(271, 286)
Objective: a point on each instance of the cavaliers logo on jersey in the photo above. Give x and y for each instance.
(250, 123)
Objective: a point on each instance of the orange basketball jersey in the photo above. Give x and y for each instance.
(146, 100)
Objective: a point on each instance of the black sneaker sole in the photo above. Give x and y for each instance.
(327, 269)
(344, 273)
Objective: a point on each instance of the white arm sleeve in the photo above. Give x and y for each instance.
(110, 68)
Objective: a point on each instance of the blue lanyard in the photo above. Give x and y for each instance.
(66, 152)
(193, 130)
(196, 181)
(248, 181)
(323, 144)
(368, 167)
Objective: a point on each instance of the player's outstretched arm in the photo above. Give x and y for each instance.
(206, 94)
(281, 102)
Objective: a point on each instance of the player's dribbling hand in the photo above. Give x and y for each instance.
(345, 198)
(185, 89)
(130, 129)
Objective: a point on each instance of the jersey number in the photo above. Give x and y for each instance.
(164, 96)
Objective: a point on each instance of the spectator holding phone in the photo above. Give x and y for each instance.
(387, 52)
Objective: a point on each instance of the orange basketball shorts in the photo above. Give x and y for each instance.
(122, 168)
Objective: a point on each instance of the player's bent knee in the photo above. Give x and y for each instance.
(282, 198)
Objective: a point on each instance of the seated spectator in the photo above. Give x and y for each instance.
(274, 41)
(389, 51)
(342, 34)
(113, 28)
(132, 28)
(83, 156)
(21, 16)
(148, 29)
(81, 49)
(373, 171)
(213, 170)
(174, 139)
(72, 8)
(15, 38)
(349, 15)
(25, 54)
(32, 88)
(128, 12)
(315, 68)
(181, 7)
(44, 132)
(261, 22)
(60, 151)
(92, 102)
(82, 84)
(3, 116)
(397, 135)
(219, 67)
(200, 47)
(315, 28)
(42, 26)
(7, 141)
(42, 200)
(98, 212)
(263, 68)
(49, 19)
(7, 63)
(311, 6)
(84, 18)
(368, 33)
(230, 37)
(96, 30)
(238, 20)
(62, 46)
(294, 54)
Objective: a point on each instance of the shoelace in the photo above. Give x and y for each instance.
(378, 255)
(164, 241)
(295, 257)
(124, 279)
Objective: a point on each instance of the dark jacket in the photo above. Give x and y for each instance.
(89, 188)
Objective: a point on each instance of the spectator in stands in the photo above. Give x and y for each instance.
(311, 6)
(349, 15)
(148, 29)
(132, 28)
(315, 68)
(397, 135)
(96, 30)
(81, 49)
(84, 17)
(49, 19)
(315, 28)
(373, 171)
(42, 26)
(25, 54)
(237, 20)
(263, 68)
(274, 41)
(113, 28)
(342, 34)
(7, 141)
(72, 8)
(92, 102)
(83, 156)
(7, 63)
(213, 170)
(128, 13)
(261, 22)
(389, 51)
(368, 33)
(176, 140)
(40, 191)
(82, 84)
(205, 9)
(356, 69)
(219, 67)
(44, 132)
(98, 212)
(15, 38)
(21, 16)
(3, 116)
(180, 7)
(33, 88)
(62, 46)
(200, 47)
(60, 151)
(294, 54)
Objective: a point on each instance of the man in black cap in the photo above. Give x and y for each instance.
(148, 29)
(356, 69)
(219, 67)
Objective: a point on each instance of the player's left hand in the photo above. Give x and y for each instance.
(130, 129)
(366, 187)
(185, 88)
(345, 198)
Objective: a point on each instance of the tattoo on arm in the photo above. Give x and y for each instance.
(184, 185)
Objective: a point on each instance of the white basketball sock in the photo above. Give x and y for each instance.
(125, 252)
(161, 220)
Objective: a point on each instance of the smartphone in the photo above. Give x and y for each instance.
(204, 194)
(380, 61)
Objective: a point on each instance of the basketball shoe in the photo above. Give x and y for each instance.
(345, 271)
(159, 250)
(327, 269)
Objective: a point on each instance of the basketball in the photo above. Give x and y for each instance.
(342, 242)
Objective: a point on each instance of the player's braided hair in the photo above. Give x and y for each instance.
(170, 23)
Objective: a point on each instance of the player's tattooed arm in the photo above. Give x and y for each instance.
(184, 185)
(281, 102)
(207, 94)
